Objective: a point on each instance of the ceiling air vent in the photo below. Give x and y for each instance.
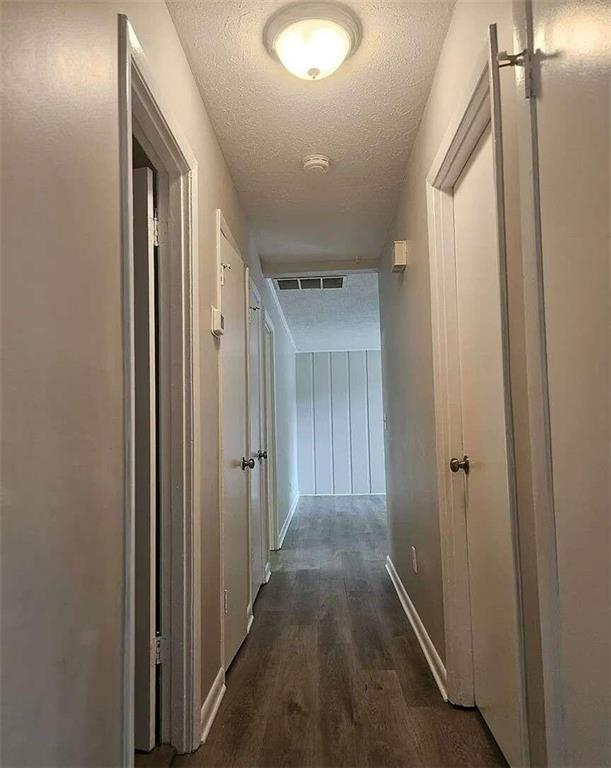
(306, 283)
(288, 285)
(310, 282)
(333, 282)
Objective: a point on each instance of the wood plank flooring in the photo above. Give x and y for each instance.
(331, 673)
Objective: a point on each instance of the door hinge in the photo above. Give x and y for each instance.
(223, 267)
(521, 59)
(225, 600)
(160, 649)
(156, 228)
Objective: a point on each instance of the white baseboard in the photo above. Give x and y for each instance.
(342, 494)
(268, 571)
(430, 652)
(287, 522)
(213, 701)
(251, 618)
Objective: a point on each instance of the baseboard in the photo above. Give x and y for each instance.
(251, 618)
(213, 701)
(430, 652)
(268, 571)
(287, 522)
(342, 494)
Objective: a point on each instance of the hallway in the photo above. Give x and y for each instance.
(331, 673)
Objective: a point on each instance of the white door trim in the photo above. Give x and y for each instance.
(475, 113)
(270, 415)
(141, 103)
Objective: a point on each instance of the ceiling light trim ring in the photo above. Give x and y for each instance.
(290, 14)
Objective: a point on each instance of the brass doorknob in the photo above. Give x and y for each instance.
(248, 463)
(457, 464)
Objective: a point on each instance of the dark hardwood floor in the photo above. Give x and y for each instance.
(331, 673)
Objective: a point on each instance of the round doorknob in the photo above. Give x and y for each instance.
(248, 463)
(458, 464)
(261, 455)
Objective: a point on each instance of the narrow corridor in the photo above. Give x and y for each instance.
(332, 673)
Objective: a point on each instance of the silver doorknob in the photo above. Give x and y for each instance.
(261, 455)
(456, 464)
(248, 463)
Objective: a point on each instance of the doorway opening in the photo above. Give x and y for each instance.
(148, 524)
(162, 581)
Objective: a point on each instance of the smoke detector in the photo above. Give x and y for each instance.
(316, 163)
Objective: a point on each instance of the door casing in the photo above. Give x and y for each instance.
(269, 371)
(143, 112)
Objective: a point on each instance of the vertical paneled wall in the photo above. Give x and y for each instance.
(340, 433)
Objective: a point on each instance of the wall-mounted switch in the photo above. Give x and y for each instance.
(414, 560)
(217, 322)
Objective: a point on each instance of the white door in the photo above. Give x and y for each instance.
(145, 459)
(258, 557)
(492, 569)
(573, 138)
(234, 417)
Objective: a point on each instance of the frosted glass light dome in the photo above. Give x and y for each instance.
(312, 40)
(313, 48)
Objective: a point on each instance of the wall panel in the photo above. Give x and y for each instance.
(359, 422)
(323, 453)
(376, 422)
(305, 420)
(340, 422)
(340, 414)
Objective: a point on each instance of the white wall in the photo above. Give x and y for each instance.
(62, 371)
(287, 481)
(340, 430)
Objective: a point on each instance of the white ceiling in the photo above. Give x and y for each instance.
(335, 319)
(364, 116)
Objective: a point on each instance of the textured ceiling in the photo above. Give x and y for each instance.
(335, 319)
(364, 117)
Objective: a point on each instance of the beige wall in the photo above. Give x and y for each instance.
(405, 309)
(287, 482)
(62, 420)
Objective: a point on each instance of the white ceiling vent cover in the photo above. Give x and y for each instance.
(307, 283)
(316, 164)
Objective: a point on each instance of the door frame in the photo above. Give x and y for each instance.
(476, 112)
(264, 530)
(223, 231)
(270, 434)
(144, 111)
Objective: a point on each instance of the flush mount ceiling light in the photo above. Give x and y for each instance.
(312, 39)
